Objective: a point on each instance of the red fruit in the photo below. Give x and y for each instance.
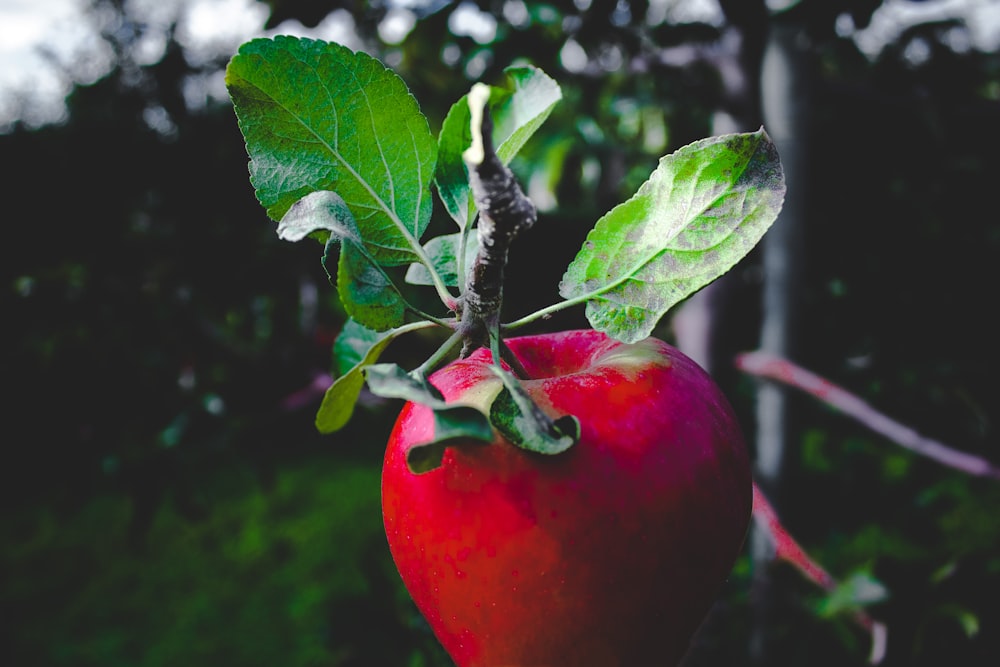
(608, 554)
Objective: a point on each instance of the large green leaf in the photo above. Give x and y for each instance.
(702, 210)
(318, 116)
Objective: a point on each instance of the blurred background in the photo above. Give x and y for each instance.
(165, 498)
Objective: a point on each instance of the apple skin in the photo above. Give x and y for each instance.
(609, 554)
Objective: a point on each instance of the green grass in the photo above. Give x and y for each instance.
(292, 573)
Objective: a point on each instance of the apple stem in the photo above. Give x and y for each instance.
(504, 211)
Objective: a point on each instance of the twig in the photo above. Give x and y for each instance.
(504, 211)
(788, 550)
(769, 366)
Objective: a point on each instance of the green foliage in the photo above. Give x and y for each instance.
(368, 294)
(295, 573)
(453, 424)
(165, 293)
(361, 347)
(317, 116)
(858, 590)
(517, 112)
(703, 209)
(519, 419)
(443, 252)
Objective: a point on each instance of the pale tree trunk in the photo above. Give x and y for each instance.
(696, 325)
(765, 82)
(784, 101)
(700, 326)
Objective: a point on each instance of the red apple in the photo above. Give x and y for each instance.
(608, 554)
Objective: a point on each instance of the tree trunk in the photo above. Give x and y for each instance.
(784, 101)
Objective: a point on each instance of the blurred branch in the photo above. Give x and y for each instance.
(788, 550)
(772, 367)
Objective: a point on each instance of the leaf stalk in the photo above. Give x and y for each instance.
(549, 310)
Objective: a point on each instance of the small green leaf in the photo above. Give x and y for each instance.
(967, 619)
(391, 381)
(322, 214)
(859, 590)
(368, 294)
(702, 210)
(522, 422)
(518, 116)
(318, 116)
(452, 177)
(442, 251)
(454, 425)
(517, 113)
(365, 348)
(352, 344)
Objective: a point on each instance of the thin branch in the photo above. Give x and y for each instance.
(772, 367)
(788, 550)
(504, 211)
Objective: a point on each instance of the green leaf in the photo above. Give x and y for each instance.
(520, 420)
(352, 344)
(442, 251)
(454, 425)
(967, 619)
(517, 112)
(859, 590)
(322, 214)
(317, 116)
(702, 210)
(391, 381)
(365, 347)
(522, 112)
(368, 294)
